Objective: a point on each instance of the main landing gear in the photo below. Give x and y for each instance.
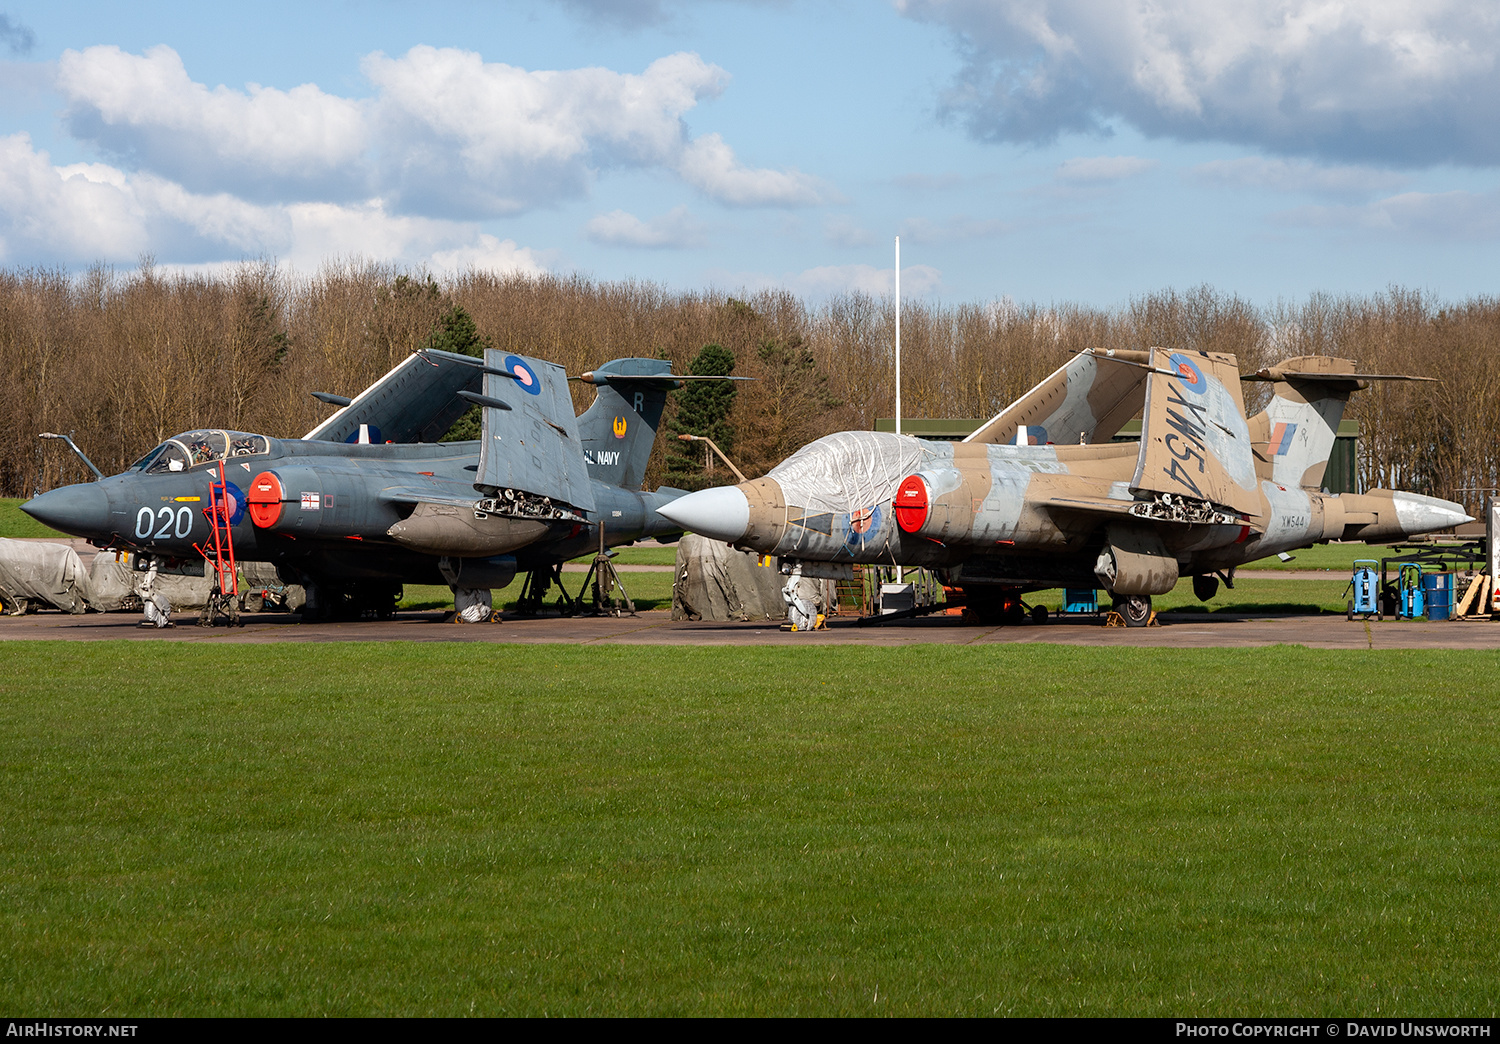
(1133, 610)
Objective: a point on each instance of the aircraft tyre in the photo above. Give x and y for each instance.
(1039, 614)
(1135, 610)
(1205, 587)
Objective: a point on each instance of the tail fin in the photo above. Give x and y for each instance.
(1195, 442)
(1296, 431)
(619, 430)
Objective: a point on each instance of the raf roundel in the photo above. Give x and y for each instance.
(526, 378)
(1189, 374)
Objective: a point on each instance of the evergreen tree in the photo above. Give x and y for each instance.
(457, 333)
(702, 409)
(790, 406)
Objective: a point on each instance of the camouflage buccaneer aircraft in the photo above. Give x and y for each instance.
(1039, 498)
(366, 502)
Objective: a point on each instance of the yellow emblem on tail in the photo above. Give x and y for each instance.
(619, 427)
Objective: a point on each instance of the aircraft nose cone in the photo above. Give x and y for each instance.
(81, 510)
(1419, 514)
(721, 513)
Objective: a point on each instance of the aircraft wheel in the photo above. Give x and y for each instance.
(1205, 587)
(1039, 614)
(1135, 610)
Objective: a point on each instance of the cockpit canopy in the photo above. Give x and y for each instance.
(193, 449)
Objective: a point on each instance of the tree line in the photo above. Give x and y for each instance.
(124, 359)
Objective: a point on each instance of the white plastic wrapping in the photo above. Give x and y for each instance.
(849, 470)
(473, 604)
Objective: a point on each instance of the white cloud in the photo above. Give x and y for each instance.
(1444, 216)
(1281, 175)
(459, 133)
(446, 135)
(257, 141)
(82, 213)
(709, 165)
(1400, 81)
(677, 228)
(1103, 168)
(489, 254)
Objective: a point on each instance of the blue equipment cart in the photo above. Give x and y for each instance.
(1365, 585)
(1411, 600)
(1080, 600)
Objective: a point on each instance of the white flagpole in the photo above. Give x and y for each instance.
(898, 335)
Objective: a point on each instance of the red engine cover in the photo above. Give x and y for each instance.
(911, 504)
(265, 499)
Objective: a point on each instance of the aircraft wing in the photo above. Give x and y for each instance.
(1195, 441)
(530, 434)
(414, 495)
(417, 401)
(1146, 510)
(1093, 395)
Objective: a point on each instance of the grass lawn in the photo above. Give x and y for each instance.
(1337, 558)
(646, 590)
(452, 829)
(647, 552)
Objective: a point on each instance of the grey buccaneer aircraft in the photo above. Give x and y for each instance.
(1007, 511)
(362, 504)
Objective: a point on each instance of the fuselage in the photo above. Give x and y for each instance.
(1022, 516)
(332, 507)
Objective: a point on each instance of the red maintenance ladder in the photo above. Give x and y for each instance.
(218, 552)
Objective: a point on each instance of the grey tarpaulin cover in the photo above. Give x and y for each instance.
(114, 585)
(716, 582)
(50, 573)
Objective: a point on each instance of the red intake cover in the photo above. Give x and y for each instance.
(265, 499)
(911, 504)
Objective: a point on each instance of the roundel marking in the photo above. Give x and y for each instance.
(1189, 374)
(238, 500)
(863, 524)
(265, 499)
(911, 504)
(526, 378)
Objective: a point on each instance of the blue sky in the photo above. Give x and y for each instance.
(1046, 150)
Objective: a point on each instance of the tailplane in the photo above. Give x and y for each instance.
(1087, 399)
(1296, 431)
(417, 401)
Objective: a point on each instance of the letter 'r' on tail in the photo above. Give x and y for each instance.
(619, 430)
